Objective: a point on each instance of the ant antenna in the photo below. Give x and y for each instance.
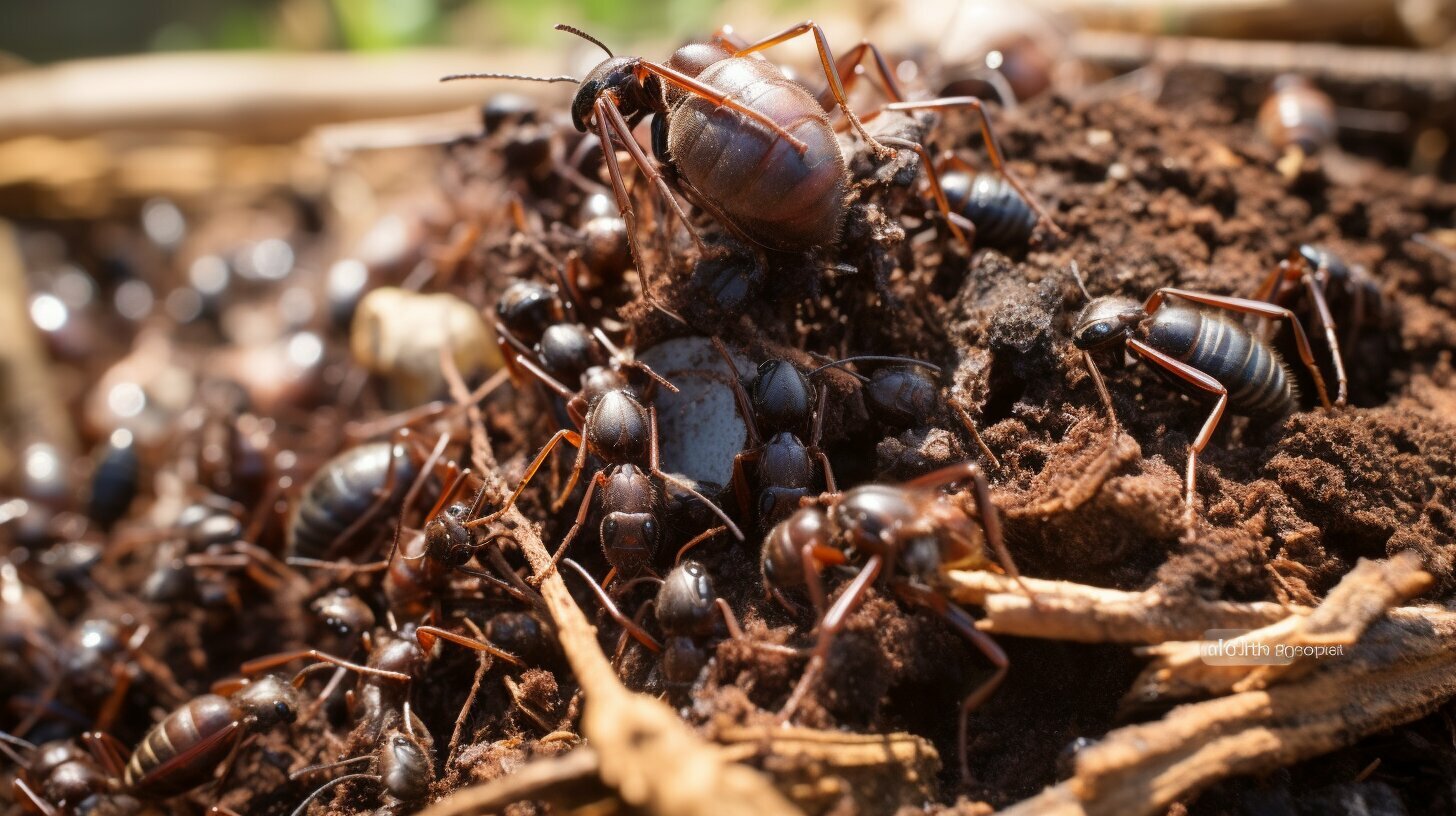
(585, 36)
(1077, 276)
(874, 358)
(453, 77)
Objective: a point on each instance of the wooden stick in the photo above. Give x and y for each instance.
(1401, 669)
(1063, 610)
(257, 97)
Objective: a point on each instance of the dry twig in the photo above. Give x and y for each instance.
(1066, 611)
(1403, 668)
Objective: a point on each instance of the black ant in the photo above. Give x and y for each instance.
(1214, 355)
(908, 534)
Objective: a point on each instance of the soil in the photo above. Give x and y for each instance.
(1181, 194)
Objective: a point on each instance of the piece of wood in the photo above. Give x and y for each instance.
(249, 97)
(1401, 669)
(1063, 610)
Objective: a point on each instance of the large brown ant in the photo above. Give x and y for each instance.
(181, 752)
(1208, 353)
(907, 534)
(773, 171)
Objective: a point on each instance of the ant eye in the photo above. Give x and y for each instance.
(649, 528)
(284, 712)
(609, 528)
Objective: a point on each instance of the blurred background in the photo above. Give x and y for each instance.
(157, 156)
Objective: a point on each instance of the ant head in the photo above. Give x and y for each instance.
(268, 701)
(685, 601)
(1106, 321)
(630, 536)
(447, 539)
(343, 613)
(614, 75)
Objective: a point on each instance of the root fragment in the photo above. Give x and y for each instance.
(1398, 666)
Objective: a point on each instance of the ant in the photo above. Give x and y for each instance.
(402, 766)
(1208, 352)
(780, 412)
(181, 752)
(396, 656)
(688, 610)
(561, 347)
(59, 776)
(914, 529)
(1298, 119)
(720, 150)
(619, 429)
(1335, 294)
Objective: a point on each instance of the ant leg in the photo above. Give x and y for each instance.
(586, 502)
(1201, 380)
(655, 468)
(611, 609)
(991, 526)
(576, 470)
(740, 478)
(740, 481)
(1253, 307)
(816, 433)
(263, 664)
(831, 72)
(107, 750)
(1102, 391)
(962, 622)
(832, 622)
(993, 149)
(571, 437)
(936, 190)
(726, 35)
(510, 346)
(545, 378)
(619, 184)
(427, 635)
(812, 558)
(696, 540)
(111, 708)
(1327, 324)
(616, 353)
(327, 786)
(740, 396)
(845, 67)
(610, 119)
(643, 68)
(23, 792)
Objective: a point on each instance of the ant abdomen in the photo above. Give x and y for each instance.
(1003, 219)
